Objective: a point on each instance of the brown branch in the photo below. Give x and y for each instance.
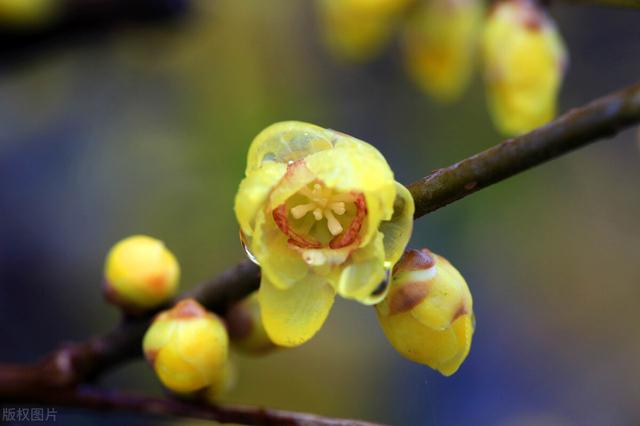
(105, 400)
(81, 362)
(601, 118)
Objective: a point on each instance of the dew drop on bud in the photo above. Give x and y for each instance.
(250, 255)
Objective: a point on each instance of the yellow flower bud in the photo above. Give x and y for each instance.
(428, 313)
(357, 30)
(140, 273)
(439, 43)
(524, 63)
(246, 330)
(187, 347)
(27, 13)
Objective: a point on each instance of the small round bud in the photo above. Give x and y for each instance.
(428, 313)
(246, 330)
(140, 273)
(187, 347)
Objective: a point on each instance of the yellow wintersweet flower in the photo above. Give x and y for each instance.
(439, 43)
(188, 348)
(524, 63)
(140, 273)
(357, 30)
(428, 313)
(321, 213)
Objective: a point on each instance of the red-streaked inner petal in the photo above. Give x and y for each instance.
(280, 218)
(352, 233)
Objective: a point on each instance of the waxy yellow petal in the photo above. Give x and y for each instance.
(397, 230)
(293, 316)
(364, 272)
(254, 191)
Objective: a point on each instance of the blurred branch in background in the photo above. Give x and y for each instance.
(29, 27)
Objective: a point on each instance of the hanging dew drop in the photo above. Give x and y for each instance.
(250, 255)
(380, 292)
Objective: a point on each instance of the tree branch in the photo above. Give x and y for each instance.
(105, 400)
(59, 373)
(599, 119)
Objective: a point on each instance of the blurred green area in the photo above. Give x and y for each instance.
(146, 131)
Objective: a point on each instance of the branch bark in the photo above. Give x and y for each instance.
(106, 400)
(73, 364)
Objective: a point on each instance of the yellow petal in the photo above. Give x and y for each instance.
(293, 316)
(364, 272)
(354, 165)
(397, 230)
(419, 343)
(463, 328)
(448, 295)
(253, 192)
(284, 265)
(286, 141)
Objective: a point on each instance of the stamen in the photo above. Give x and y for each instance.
(332, 223)
(302, 209)
(317, 213)
(338, 207)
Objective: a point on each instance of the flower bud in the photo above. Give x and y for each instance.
(357, 30)
(140, 273)
(246, 330)
(187, 347)
(428, 313)
(524, 63)
(439, 43)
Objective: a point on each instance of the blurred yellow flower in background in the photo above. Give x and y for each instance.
(188, 349)
(140, 273)
(357, 30)
(440, 41)
(322, 214)
(428, 313)
(524, 64)
(27, 13)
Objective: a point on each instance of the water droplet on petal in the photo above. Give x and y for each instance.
(250, 255)
(381, 291)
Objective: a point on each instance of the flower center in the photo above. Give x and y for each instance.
(323, 204)
(317, 217)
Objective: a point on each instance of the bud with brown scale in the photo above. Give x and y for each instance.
(428, 313)
(187, 346)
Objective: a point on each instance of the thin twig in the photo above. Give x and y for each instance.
(108, 400)
(77, 363)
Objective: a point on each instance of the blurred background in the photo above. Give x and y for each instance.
(140, 123)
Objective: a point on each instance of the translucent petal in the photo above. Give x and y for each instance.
(293, 316)
(397, 230)
(286, 142)
(364, 272)
(253, 192)
(278, 260)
